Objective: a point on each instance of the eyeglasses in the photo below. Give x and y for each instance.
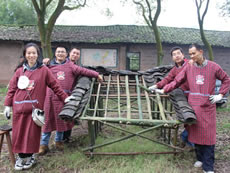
(60, 51)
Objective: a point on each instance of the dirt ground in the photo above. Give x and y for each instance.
(222, 162)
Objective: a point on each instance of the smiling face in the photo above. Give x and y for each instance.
(60, 54)
(74, 55)
(178, 57)
(31, 55)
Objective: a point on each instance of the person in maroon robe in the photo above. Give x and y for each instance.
(65, 72)
(21, 96)
(180, 61)
(74, 56)
(201, 78)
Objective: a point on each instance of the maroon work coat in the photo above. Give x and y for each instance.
(65, 74)
(25, 133)
(201, 82)
(171, 76)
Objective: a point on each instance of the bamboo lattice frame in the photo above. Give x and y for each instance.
(125, 99)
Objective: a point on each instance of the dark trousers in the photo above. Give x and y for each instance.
(25, 155)
(66, 135)
(205, 154)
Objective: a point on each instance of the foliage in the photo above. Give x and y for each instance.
(225, 8)
(17, 12)
(151, 10)
(47, 13)
(202, 5)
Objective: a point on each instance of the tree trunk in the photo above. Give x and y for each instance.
(206, 43)
(160, 53)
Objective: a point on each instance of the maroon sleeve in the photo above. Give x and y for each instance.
(169, 78)
(84, 71)
(223, 76)
(55, 86)
(12, 89)
(179, 79)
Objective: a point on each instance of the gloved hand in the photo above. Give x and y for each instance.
(159, 91)
(69, 98)
(215, 98)
(100, 78)
(152, 88)
(7, 112)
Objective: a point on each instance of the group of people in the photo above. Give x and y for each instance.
(200, 77)
(48, 88)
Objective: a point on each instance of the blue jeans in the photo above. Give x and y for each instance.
(46, 137)
(184, 137)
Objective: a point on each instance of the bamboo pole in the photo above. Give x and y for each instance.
(128, 97)
(136, 121)
(107, 96)
(120, 139)
(129, 153)
(160, 107)
(97, 98)
(118, 96)
(147, 99)
(87, 104)
(139, 135)
(139, 98)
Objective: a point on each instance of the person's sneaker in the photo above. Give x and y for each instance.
(43, 150)
(59, 146)
(198, 164)
(19, 164)
(28, 163)
(33, 159)
(208, 171)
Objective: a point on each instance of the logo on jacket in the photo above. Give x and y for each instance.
(31, 85)
(61, 75)
(199, 79)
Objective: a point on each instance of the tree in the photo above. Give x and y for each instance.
(47, 19)
(151, 10)
(225, 8)
(22, 13)
(200, 16)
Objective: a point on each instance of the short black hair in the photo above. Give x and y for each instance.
(176, 48)
(197, 46)
(62, 46)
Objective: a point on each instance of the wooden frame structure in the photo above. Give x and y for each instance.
(124, 99)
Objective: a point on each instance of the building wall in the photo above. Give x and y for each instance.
(11, 51)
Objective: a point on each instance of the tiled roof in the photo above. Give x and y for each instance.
(116, 34)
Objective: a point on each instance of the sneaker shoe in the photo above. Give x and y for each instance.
(43, 150)
(33, 159)
(208, 171)
(28, 163)
(198, 164)
(59, 146)
(19, 164)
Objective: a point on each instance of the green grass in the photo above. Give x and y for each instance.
(72, 160)
(3, 90)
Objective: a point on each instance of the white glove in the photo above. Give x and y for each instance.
(7, 112)
(69, 98)
(159, 91)
(215, 98)
(152, 88)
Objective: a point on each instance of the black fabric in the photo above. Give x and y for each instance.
(25, 155)
(205, 154)
(66, 135)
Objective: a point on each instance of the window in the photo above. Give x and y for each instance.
(133, 61)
